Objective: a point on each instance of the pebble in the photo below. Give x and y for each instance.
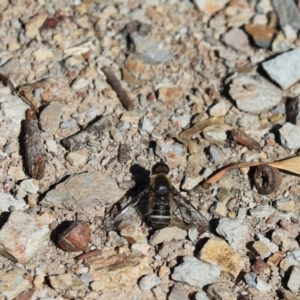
(220, 109)
(284, 68)
(237, 39)
(193, 234)
(149, 51)
(262, 286)
(280, 238)
(30, 186)
(50, 117)
(80, 83)
(201, 296)
(216, 155)
(220, 291)
(167, 234)
(219, 208)
(177, 293)
(223, 195)
(51, 146)
(134, 65)
(262, 211)
(249, 121)
(250, 279)
(77, 158)
(68, 124)
(174, 153)
(285, 205)
(147, 125)
(262, 249)
(210, 7)
(65, 281)
(287, 262)
(216, 133)
(181, 121)
(259, 265)
(293, 282)
(273, 247)
(235, 231)
(290, 136)
(82, 190)
(118, 270)
(148, 282)
(288, 13)
(140, 248)
(132, 232)
(252, 95)
(170, 95)
(7, 201)
(43, 54)
(34, 24)
(195, 272)
(262, 35)
(217, 251)
(19, 242)
(13, 283)
(190, 182)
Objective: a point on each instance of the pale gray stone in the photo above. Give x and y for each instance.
(7, 201)
(80, 83)
(196, 272)
(237, 39)
(250, 279)
(262, 211)
(290, 136)
(148, 282)
(84, 190)
(167, 234)
(66, 281)
(201, 296)
(294, 282)
(284, 68)
(147, 125)
(262, 286)
(177, 293)
(30, 186)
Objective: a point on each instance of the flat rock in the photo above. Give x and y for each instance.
(210, 7)
(262, 211)
(220, 291)
(237, 39)
(287, 12)
(217, 251)
(34, 24)
(118, 270)
(294, 282)
(235, 232)
(30, 186)
(284, 68)
(170, 95)
(83, 190)
(290, 136)
(177, 293)
(148, 282)
(167, 234)
(7, 201)
(196, 272)
(65, 281)
(13, 283)
(50, 117)
(262, 35)
(19, 242)
(254, 96)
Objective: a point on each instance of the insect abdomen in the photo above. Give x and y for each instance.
(160, 216)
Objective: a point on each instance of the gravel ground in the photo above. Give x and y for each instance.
(94, 93)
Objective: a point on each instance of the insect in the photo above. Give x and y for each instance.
(166, 205)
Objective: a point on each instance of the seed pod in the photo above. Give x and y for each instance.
(35, 153)
(267, 179)
(75, 237)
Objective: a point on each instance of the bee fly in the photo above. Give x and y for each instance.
(165, 204)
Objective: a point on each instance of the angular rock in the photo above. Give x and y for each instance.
(167, 234)
(217, 251)
(237, 39)
(148, 282)
(196, 272)
(290, 136)
(19, 242)
(284, 68)
(220, 291)
(285, 205)
(77, 158)
(294, 282)
(50, 117)
(7, 201)
(118, 270)
(82, 190)
(65, 281)
(235, 232)
(261, 34)
(13, 283)
(34, 24)
(262, 286)
(210, 7)
(252, 95)
(201, 296)
(262, 211)
(30, 186)
(170, 95)
(177, 293)
(262, 249)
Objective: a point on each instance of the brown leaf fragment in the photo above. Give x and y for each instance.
(199, 126)
(35, 153)
(244, 139)
(117, 87)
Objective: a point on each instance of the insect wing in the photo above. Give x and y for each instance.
(188, 213)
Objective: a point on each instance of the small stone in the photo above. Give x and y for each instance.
(181, 121)
(34, 24)
(217, 251)
(252, 95)
(50, 117)
(147, 125)
(285, 205)
(275, 259)
(190, 182)
(280, 238)
(259, 265)
(216, 155)
(220, 291)
(219, 208)
(16, 173)
(140, 248)
(167, 234)
(193, 234)
(13, 283)
(170, 95)
(201, 296)
(65, 281)
(43, 54)
(149, 51)
(262, 286)
(77, 158)
(82, 190)
(237, 39)
(250, 279)
(7, 201)
(235, 232)
(30, 186)
(216, 134)
(57, 89)
(293, 282)
(249, 121)
(177, 293)
(148, 282)
(287, 262)
(132, 232)
(19, 242)
(134, 65)
(80, 83)
(261, 34)
(68, 124)
(262, 249)
(130, 117)
(220, 109)
(262, 211)
(210, 7)
(290, 136)
(196, 272)
(284, 68)
(173, 152)
(51, 146)
(224, 195)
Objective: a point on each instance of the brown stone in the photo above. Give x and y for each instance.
(170, 95)
(261, 34)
